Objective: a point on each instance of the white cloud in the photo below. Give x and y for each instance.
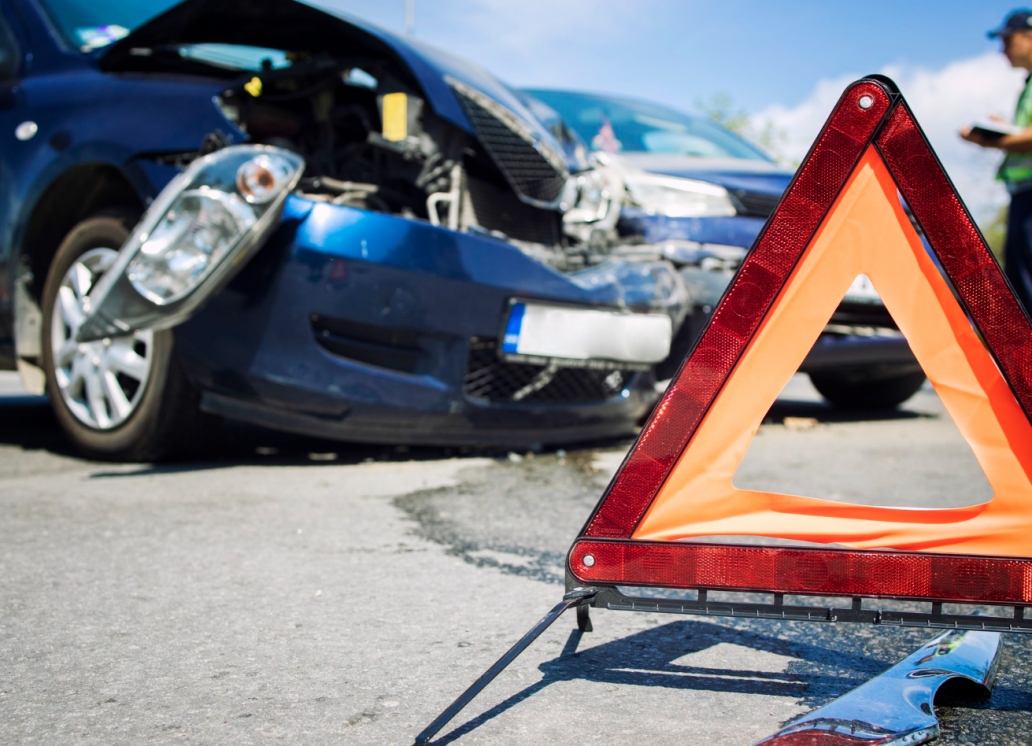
(943, 100)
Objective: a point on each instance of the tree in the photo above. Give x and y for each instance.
(996, 233)
(722, 109)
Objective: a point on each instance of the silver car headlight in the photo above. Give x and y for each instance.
(591, 202)
(678, 198)
(197, 233)
(223, 202)
(587, 197)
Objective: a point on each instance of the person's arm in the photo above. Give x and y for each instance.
(1019, 143)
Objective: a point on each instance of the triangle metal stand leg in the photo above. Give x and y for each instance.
(584, 619)
(578, 598)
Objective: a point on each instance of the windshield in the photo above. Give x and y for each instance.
(615, 125)
(92, 24)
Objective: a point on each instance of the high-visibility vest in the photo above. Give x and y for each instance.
(1017, 167)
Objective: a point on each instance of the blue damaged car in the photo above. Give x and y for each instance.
(699, 195)
(269, 212)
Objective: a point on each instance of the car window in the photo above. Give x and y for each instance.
(613, 125)
(10, 53)
(236, 56)
(92, 24)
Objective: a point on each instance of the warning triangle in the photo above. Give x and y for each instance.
(841, 217)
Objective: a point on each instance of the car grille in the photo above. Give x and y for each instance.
(536, 173)
(497, 208)
(755, 204)
(490, 378)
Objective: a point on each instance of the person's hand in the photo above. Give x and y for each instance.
(976, 137)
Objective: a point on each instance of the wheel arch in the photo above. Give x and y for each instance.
(78, 193)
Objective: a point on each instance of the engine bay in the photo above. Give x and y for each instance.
(484, 160)
(370, 141)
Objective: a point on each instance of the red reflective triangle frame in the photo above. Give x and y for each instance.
(871, 112)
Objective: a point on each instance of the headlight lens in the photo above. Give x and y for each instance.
(222, 199)
(679, 198)
(192, 236)
(586, 198)
(591, 204)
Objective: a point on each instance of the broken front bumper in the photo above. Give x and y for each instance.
(370, 327)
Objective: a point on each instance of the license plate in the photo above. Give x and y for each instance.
(559, 332)
(862, 291)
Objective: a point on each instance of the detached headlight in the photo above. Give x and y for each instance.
(197, 233)
(223, 202)
(678, 198)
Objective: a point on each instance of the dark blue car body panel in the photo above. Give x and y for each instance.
(253, 351)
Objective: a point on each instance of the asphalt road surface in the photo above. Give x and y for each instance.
(288, 590)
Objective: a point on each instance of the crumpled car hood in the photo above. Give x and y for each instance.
(295, 26)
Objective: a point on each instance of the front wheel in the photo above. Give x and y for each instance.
(867, 388)
(120, 398)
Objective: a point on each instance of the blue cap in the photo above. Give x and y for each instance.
(1018, 20)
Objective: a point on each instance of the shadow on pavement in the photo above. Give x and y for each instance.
(27, 422)
(649, 658)
(826, 413)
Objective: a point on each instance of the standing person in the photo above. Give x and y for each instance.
(1016, 171)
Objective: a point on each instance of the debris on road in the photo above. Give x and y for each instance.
(897, 707)
(799, 424)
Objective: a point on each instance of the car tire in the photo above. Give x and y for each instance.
(123, 399)
(866, 389)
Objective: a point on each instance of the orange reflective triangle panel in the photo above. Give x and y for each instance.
(841, 217)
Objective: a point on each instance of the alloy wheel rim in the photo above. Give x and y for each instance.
(102, 382)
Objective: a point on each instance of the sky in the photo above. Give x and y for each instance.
(784, 63)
